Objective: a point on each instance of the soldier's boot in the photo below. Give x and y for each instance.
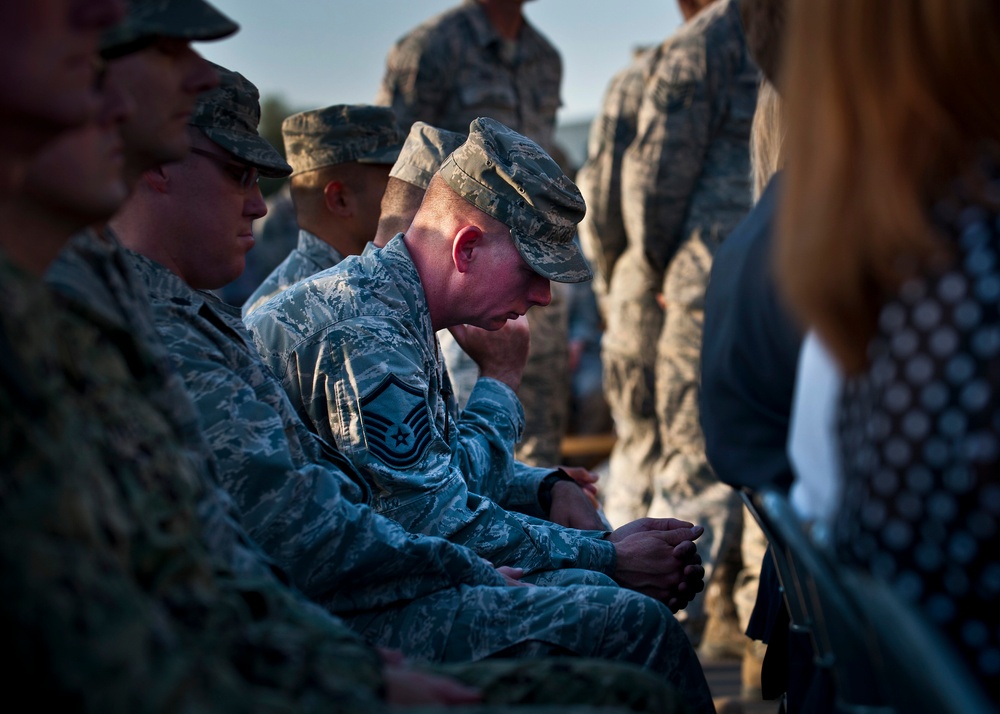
(753, 660)
(723, 638)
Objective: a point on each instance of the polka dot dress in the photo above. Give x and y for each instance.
(920, 442)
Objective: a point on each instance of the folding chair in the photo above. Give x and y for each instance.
(819, 604)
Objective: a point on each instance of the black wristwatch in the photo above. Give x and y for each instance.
(545, 489)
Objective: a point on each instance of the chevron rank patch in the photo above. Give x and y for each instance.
(396, 422)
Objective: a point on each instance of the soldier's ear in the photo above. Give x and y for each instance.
(466, 246)
(157, 179)
(335, 196)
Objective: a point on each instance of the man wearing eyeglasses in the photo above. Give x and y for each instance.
(216, 184)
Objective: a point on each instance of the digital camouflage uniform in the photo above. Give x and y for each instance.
(628, 353)
(456, 67)
(314, 140)
(356, 327)
(300, 499)
(129, 584)
(110, 598)
(355, 350)
(627, 292)
(128, 588)
(296, 491)
(425, 149)
(450, 70)
(309, 257)
(685, 183)
(602, 232)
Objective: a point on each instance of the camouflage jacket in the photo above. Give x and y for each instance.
(310, 256)
(92, 275)
(110, 598)
(602, 232)
(455, 67)
(687, 172)
(301, 499)
(356, 351)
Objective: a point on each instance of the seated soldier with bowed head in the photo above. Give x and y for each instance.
(301, 499)
(356, 350)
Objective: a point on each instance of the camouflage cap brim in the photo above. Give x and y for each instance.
(148, 19)
(254, 150)
(563, 264)
(341, 134)
(229, 115)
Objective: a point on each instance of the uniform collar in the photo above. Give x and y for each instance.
(317, 249)
(395, 256)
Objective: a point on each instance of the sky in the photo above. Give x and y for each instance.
(315, 53)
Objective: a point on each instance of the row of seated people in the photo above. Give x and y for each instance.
(178, 531)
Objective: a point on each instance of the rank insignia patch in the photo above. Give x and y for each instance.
(396, 422)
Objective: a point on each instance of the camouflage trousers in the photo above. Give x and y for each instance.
(564, 685)
(628, 388)
(545, 384)
(628, 354)
(472, 623)
(684, 485)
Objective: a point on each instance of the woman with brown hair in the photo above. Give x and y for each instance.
(890, 249)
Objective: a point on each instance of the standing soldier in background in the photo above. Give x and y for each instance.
(340, 156)
(685, 183)
(483, 59)
(632, 316)
(602, 232)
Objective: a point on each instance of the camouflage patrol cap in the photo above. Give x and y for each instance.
(511, 178)
(149, 19)
(425, 149)
(229, 115)
(340, 134)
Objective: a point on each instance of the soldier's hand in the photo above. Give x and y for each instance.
(513, 576)
(585, 479)
(500, 354)
(573, 507)
(693, 581)
(641, 525)
(660, 563)
(411, 687)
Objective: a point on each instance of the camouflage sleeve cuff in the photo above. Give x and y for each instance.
(597, 553)
(524, 489)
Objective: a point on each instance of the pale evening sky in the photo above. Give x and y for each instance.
(320, 52)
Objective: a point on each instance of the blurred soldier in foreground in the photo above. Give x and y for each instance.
(340, 158)
(685, 183)
(483, 59)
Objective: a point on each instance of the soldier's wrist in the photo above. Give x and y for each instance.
(546, 486)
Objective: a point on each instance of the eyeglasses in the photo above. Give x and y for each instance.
(243, 174)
